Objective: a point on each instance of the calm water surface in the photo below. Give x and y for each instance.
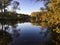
(28, 34)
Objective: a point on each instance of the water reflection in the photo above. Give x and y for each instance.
(30, 34)
(15, 31)
(54, 37)
(7, 32)
(5, 37)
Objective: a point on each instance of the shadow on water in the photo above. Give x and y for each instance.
(27, 33)
(54, 36)
(4, 39)
(5, 35)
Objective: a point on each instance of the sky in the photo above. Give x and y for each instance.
(28, 6)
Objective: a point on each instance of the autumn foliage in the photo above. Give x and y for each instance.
(51, 15)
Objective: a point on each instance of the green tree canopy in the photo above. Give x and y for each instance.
(4, 4)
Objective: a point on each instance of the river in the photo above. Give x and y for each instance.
(28, 34)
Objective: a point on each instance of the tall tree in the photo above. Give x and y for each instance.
(53, 7)
(4, 4)
(15, 6)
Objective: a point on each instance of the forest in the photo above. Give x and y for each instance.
(49, 16)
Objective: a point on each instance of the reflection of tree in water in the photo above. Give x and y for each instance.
(41, 24)
(15, 31)
(55, 37)
(5, 37)
(8, 23)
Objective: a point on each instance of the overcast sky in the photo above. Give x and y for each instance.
(28, 6)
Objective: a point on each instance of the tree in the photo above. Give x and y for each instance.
(52, 16)
(4, 4)
(15, 6)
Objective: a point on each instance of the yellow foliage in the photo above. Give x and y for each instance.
(57, 30)
(52, 15)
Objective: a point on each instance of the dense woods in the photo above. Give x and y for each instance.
(50, 16)
(14, 16)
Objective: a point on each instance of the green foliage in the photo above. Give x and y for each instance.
(4, 3)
